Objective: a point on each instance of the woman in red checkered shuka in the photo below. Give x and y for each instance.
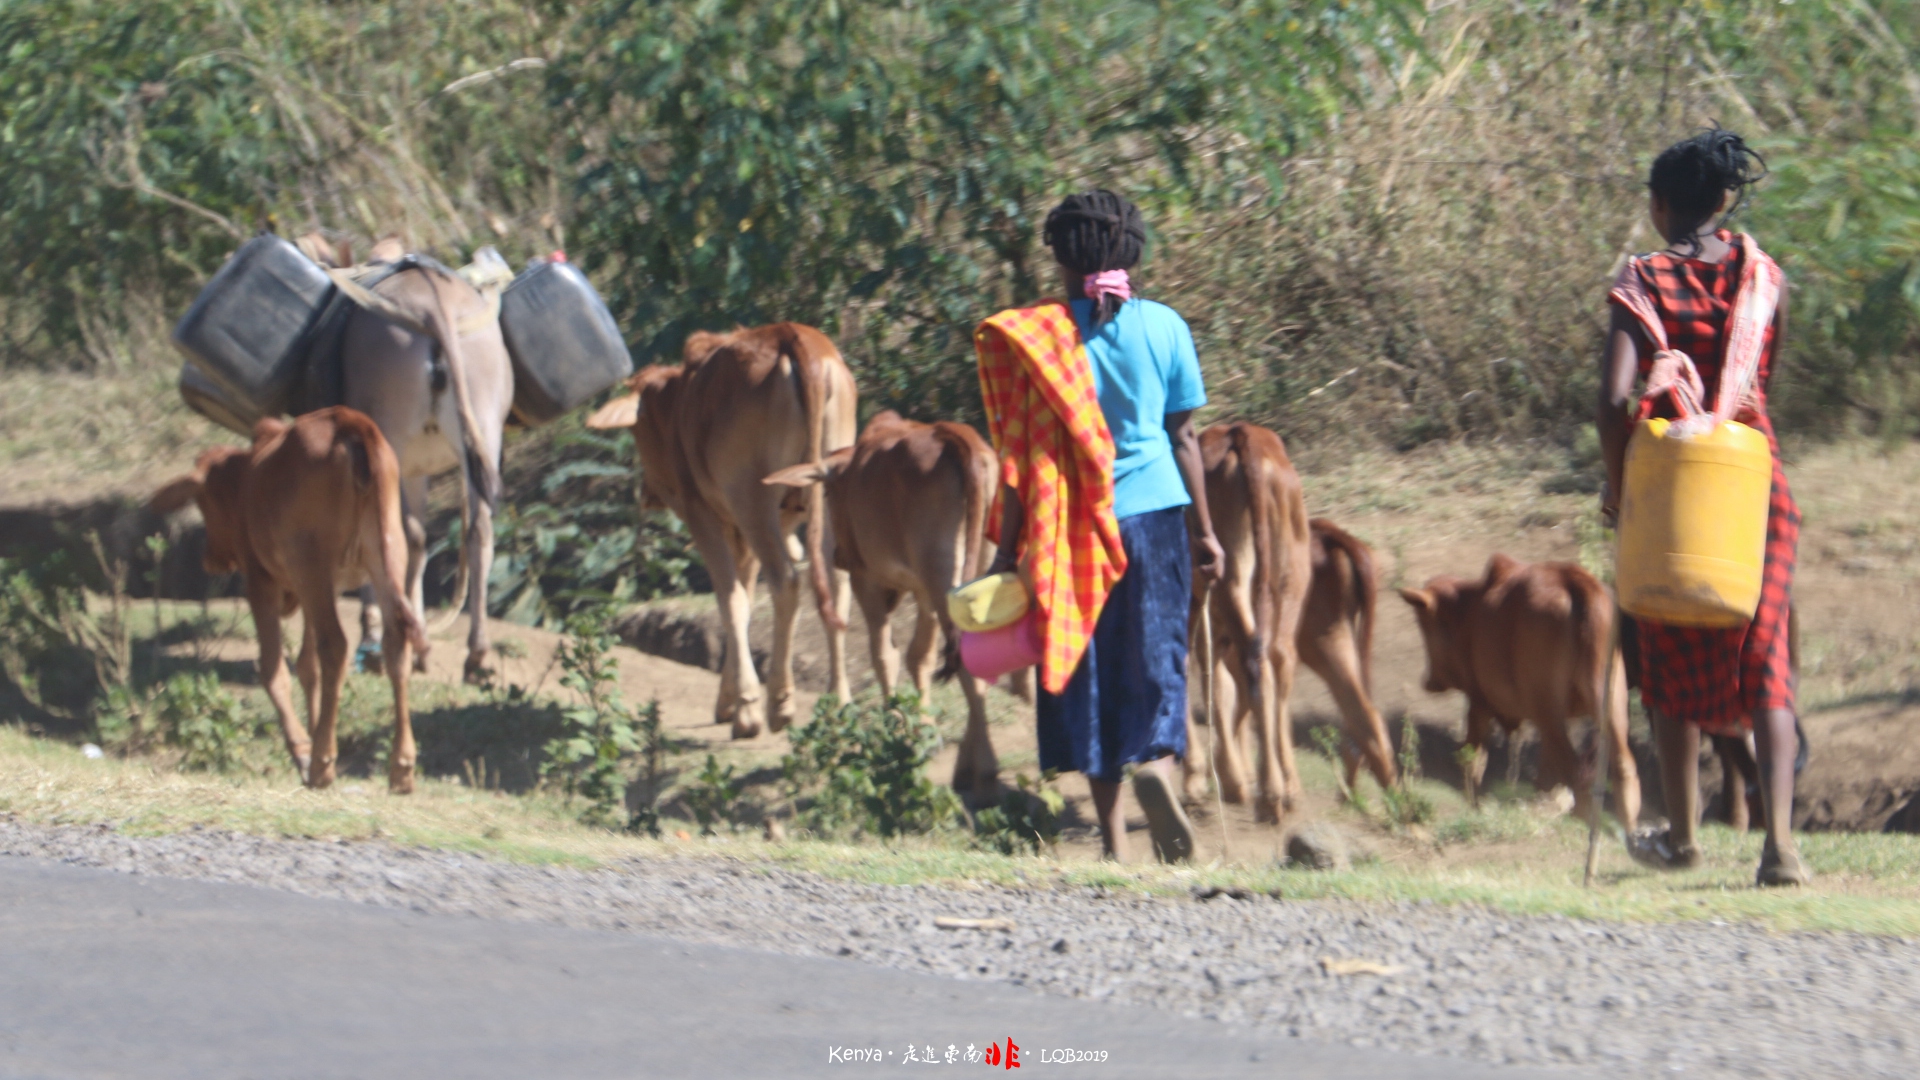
(1738, 682)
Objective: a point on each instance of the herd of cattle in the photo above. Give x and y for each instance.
(755, 434)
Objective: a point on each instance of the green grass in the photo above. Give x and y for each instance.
(1508, 857)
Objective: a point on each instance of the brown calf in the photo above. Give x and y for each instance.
(1529, 642)
(1260, 518)
(908, 508)
(312, 508)
(742, 406)
(1336, 643)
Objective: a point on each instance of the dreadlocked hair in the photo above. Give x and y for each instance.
(1095, 231)
(1693, 174)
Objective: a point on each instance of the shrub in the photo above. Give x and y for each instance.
(191, 711)
(1405, 806)
(712, 796)
(862, 767)
(1027, 819)
(600, 726)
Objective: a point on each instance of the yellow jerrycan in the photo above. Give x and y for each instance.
(1693, 525)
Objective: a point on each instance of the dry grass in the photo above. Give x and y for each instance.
(66, 437)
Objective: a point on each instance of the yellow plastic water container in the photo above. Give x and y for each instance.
(988, 603)
(1693, 525)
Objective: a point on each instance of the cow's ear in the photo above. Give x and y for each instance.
(837, 462)
(175, 494)
(1499, 566)
(621, 412)
(1419, 599)
(797, 475)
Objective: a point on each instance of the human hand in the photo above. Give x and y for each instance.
(1209, 558)
(1005, 561)
(1609, 507)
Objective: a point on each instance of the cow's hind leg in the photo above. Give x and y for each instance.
(1336, 659)
(399, 665)
(330, 647)
(264, 602)
(876, 607)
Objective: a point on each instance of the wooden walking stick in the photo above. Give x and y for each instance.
(1213, 722)
(1600, 749)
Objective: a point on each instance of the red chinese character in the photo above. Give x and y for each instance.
(1013, 1055)
(993, 1053)
(1010, 1057)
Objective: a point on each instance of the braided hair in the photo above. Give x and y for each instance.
(1693, 174)
(1095, 231)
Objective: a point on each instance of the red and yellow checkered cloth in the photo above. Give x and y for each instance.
(1056, 452)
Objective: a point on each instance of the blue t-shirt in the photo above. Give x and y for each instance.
(1144, 367)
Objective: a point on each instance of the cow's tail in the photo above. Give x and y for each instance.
(480, 462)
(815, 385)
(480, 468)
(1592, 617)
(979, 471)
(1366, 590)
(383, 534)
(1263, 508)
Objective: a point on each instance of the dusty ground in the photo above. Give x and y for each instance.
(1447, 511)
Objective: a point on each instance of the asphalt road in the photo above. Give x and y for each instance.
(109, 975)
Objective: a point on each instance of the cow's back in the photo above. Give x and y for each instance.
(911, 500)
(742, 411)
(1530, 636)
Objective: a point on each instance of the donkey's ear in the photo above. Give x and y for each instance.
(173, 495)
(1419, 599)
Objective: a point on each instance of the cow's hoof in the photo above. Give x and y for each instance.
(1782, 868)
(976, 783)
(784, 714)
(1269, 810)
(320, 775)
(744, 729)
(400, 780)
(477, 671)
(302, 763)
(1233, 793)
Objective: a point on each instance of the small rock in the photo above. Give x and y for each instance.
(1320, 846)
(91, 752)
(1208, 892)
(1062, 947)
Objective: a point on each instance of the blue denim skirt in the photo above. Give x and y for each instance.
(1127, 701)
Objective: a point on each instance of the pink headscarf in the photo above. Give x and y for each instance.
(1107, 283)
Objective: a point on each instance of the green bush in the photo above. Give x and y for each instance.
(601, 729)
(861, 767)
(1027, 821)
(713, 795)
(191, 711)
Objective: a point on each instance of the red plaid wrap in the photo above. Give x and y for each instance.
(1716, 679)
(1056, 452)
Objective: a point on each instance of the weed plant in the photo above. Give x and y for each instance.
(861, 768)
(1027, 821)
(600, 728)
(713, 796)
(1406, 806)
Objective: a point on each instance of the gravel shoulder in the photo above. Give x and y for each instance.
(1695, 1000)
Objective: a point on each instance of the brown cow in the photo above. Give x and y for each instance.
(1335, 642)
(908, 507)
(1529, 642)
(741, 407)
(1260, 516)
(313, 507)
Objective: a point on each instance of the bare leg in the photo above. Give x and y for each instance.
(783, 581)
(1679, 744)
(1776, 743)
(371, 623)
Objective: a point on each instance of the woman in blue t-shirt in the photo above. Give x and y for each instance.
(1127, 701)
